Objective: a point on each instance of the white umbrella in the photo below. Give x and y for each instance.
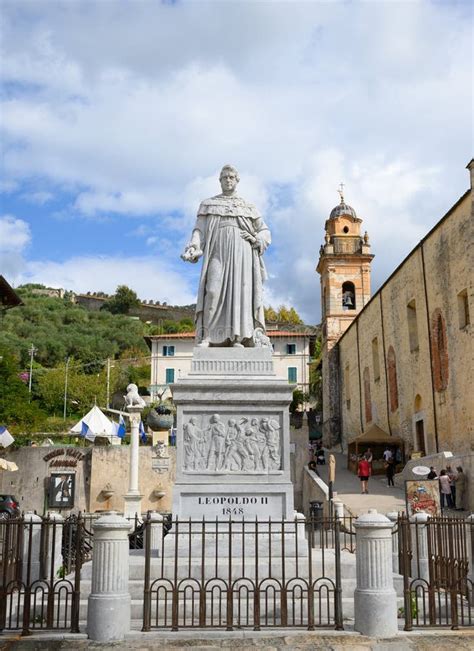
(8, 465)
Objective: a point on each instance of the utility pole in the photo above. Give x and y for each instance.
(65, 389)
(108, 382)
(32, 352)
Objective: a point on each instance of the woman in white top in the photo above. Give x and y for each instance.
(445, 489)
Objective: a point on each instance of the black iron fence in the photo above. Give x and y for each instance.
(243, 574)
(434, 559)
(37, 590)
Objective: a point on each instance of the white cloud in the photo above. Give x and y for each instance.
(15, 233)
(15, 236)
(298, 96)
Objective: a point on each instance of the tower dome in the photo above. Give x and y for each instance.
(342, 209)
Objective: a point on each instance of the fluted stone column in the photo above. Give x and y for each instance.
(54, 558)
(155, 531)
(133, 498)
(108, 613)
(375, 599)
(393, 517)
(31, 562)
(338, 509)
(420, 563)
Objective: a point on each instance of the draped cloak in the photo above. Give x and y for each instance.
(230, 297)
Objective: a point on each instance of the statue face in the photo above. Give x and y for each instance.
(228, 181)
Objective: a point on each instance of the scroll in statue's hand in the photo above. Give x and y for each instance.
(191, 254)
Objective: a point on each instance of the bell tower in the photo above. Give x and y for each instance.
(344, 267)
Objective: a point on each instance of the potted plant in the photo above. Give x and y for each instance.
(161, 416)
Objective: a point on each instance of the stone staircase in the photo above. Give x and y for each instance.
(194, 569)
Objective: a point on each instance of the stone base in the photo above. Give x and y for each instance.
(133, 505)
(234, 500)
(233, 449)
(108, 617)
(375, 612)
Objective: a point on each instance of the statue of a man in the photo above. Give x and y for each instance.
(231, 236)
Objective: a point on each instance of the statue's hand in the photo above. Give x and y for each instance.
(191, 254)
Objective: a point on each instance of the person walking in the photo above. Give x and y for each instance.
(461, 482)
(390, 471)
(387, 455)
(452, 478)
(364, 473)
(445, 490)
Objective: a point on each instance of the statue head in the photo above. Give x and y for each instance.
(229, 177)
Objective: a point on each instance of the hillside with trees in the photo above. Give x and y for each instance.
(99, 352)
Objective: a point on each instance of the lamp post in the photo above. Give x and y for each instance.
(32, 352)
(133, 498)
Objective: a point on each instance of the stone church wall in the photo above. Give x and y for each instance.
(429, 281)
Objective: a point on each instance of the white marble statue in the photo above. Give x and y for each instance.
(231, 237)
(133, 399)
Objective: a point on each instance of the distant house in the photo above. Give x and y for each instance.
(171, 357)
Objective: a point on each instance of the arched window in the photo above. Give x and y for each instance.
(439, 351)
(348, 296)
(418, 403)
(367, 396)
(392, 379)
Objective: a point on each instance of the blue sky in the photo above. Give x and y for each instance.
(117, 116)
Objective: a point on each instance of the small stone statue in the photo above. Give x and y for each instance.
(261, 340)
(132, 399)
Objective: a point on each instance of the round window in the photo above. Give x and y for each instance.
(346, 229)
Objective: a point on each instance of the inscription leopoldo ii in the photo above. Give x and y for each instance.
(242, 444)
(233, 505)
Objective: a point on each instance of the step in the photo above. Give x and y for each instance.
(136, 609)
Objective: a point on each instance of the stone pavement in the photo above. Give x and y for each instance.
(276, 640)
(347, 486)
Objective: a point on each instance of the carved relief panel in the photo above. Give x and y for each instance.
(214, 443)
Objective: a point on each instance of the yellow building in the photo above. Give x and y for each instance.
(403, 358)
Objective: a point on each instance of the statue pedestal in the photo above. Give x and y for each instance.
(233, 449)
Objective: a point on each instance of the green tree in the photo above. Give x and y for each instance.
(123, 301)
(283, 315)
(17, 413)
(83, 390)
(270, 314)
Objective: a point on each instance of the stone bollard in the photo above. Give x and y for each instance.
(420, 562)
(54, 558)
(155, 531)
(338, 509)
(108, 612)
(31, 567)
(393, 517)
(470, 556)
(375, 599)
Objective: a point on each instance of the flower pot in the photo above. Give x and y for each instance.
(159, 421)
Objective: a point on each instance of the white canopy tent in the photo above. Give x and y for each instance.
(98, 425)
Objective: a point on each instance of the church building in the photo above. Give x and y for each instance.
(401, 359)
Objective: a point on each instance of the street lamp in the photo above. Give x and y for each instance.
(32, 351)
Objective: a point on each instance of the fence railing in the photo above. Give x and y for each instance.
(244, 574)
(434, 559)
(37, 590)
